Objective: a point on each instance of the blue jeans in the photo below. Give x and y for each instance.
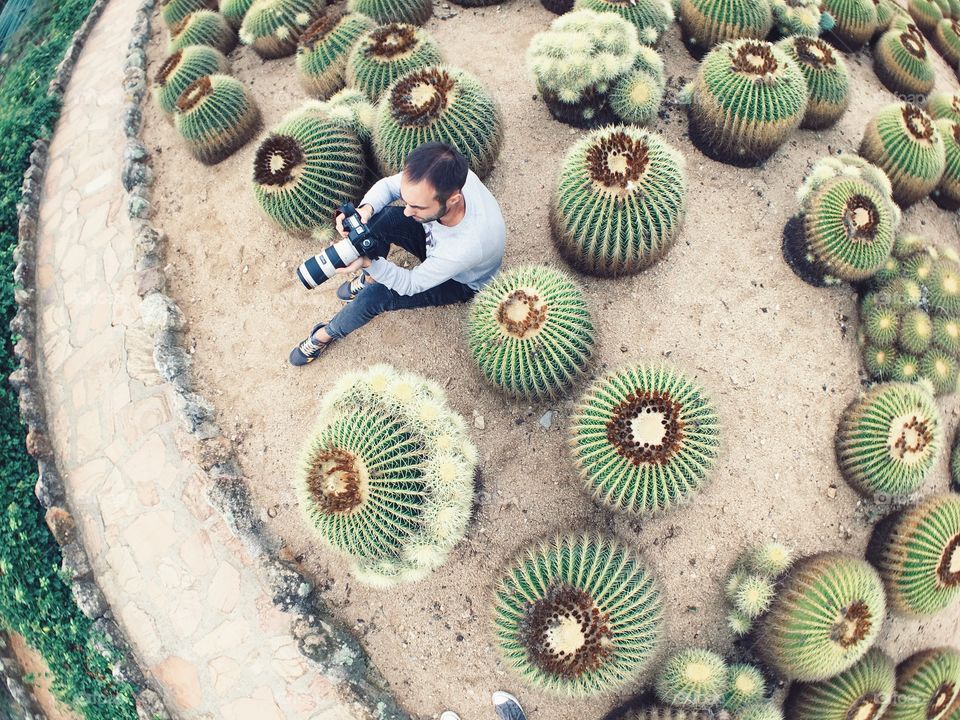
(394, 228)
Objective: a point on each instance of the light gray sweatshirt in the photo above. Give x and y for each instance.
(469, 252)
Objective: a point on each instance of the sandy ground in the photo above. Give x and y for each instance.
(778, 356)
(33, 664)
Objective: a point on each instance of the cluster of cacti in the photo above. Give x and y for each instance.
(706, 23)
(910, 317)
(578, 615)
(202, 27)
(415, 12)
(947, 192)
(644, 438)
(824, 617)
(305, 167)
(234, 11)
(530, 331)
(182, 68)
(928, 683)
(273, 27)
(637, 95)
(926, 14)
(800, 17)
(437, 104)
(173, 11)
(577, 62)
(855, 21)
(903, 141)
(385, 53)
(693, 677)
(944, 106)
(888, 439)
(917, 552)
(650, 17)
(864, 691)
(747, 98)
(902, 63)
(946, 38)
(216, 116)
(751, 583)
(828, 80)
(323, 50)
(619, 200)
(387, 475)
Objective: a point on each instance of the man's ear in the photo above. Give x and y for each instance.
(456, 197)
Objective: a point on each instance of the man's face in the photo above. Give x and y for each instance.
(421, 200)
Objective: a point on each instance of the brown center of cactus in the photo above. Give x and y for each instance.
(565, 634)
(278, 162)
(617, 161)
(754, 58)
(646, 427)
(917, 122)
(178, 27)
(421, 97)
(941, 700)
(955, 27)
(913, 44)
(522, 313)
(852, 627)
(336, 481)
(814, 52)
(866, 707)
(949, 568)
(391, 40)
(955, 131)
(169, 65)
(860, 219)
(195, 92)
(319, 29)
(909, 438)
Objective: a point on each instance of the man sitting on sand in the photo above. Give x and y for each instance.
(450, 221)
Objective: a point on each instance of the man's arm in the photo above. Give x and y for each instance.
(431, 272)
(383, 192)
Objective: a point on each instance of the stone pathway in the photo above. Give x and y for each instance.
(181, 586)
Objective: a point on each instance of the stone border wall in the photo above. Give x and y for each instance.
(11, 675)
(50, 488)
(321, 638)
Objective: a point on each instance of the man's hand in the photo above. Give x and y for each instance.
(361, 263)
(365, 211)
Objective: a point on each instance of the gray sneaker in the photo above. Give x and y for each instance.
(309, 350)
(507, 706)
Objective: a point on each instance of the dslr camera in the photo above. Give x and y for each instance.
(323, 266)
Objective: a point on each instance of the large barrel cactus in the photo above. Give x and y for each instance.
(644, 438)
(828, 79)
(619, 201)
(182, 68)
(173, 11)
(948, 189)
(926, 14)
(304, 170)
(747, 98)
(273, 27)
(578, 615)
(323, 50)
(385, 53)
(706, 23)
(530, 331)
(216, 116)
(826, 615)
(386, 476)
(234, 10)
(863, 691)
(946, 38)
(942, 105)
(415, 12)
(928, 683)
(650, 17)
(437, 103)
(902, 63)
(855, 21)
(202, 27)
(903, 141)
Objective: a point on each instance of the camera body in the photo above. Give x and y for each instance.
(359, 242)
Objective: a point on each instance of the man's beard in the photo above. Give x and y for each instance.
(440, 213)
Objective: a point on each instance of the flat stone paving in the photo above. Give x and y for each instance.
(182, 588)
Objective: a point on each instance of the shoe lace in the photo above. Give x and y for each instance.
(356, 285)
(308, 347)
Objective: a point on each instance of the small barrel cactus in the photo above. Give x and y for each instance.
(863, 691)
(826, 615)
(182, 68)
(797, 17)
(886, 13)
(903, 141)
(413, 12)
(946, 38)
(926, 14)
(234, 10)
(902, 63)
(888, 440)
(578, 615)
(770, 559)
(216, 116)
(387, 475)
(948, 189)
(437, 103)
(748, 96)
(855, 21)
(916, 332)
(202, 27)
(828, 79)
(304, 170)
(636, 97)
(385, 53)
(173, 11)
(753, 596)
(693, 677)
(745, 685)
(928, 683)
(663, 712)
(273, 27)
(944, 105)
(575, 63)
(323, 50)
(644, 438)
(759, 711)
(650, 17)
(530, 331)
(917, 552)
(706, 23)
(619, 201)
